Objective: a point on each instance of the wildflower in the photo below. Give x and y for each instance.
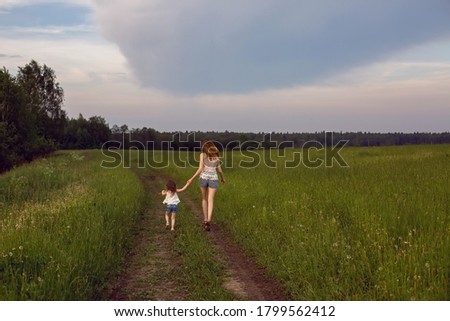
(21, 248)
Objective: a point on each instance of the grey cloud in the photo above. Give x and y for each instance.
(9, 56)
(203, 46)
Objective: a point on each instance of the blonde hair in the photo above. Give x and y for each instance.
(210, 149)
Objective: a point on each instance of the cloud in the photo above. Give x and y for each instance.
(415, 103)
(93, 58)
(202, 61)
(48, 30)
(203, 46)
(9, 56)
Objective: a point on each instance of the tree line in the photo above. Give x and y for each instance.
(149, 138)
(33, 123)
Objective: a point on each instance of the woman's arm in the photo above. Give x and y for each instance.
(185, 186)
(219, 170)
(200, 168)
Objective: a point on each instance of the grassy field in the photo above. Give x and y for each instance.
(64, 224)
(375, 230)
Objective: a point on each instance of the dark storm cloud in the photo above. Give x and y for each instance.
(231, 46)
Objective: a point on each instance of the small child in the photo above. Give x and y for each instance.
(172, 201)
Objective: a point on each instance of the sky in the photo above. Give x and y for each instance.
(251, 66)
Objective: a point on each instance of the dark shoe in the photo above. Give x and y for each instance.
(207, 226)
(167, 227)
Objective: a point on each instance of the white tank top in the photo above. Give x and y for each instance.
(209, 168)
(171, 199)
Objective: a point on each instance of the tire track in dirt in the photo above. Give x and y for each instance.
(245, 278)
(151, 267)
(151, 264)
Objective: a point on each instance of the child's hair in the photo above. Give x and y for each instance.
(171, 186)
(210, 149)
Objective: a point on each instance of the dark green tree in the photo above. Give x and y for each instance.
(13, 131)
(45, 97)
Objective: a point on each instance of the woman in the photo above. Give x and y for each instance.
(209, 181)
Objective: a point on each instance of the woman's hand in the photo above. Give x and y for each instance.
(222, 180)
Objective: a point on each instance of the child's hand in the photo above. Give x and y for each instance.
(163, 192)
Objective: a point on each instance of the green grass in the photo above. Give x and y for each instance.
(199, 271)
(376, 230)
(64, 223)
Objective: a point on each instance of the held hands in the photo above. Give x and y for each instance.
(188, 182)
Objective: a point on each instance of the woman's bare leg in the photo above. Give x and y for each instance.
(204, 203)
(211, 193)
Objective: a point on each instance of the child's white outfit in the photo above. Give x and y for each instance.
(171, 201)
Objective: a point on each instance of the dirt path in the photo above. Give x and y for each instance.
(142, 278)
(246, 279)
(151, 268)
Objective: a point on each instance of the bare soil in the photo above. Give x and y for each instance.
(151, 253)
(150, 269)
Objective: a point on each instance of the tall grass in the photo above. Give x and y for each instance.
(376, 230)
(196, 267)
(64, 222)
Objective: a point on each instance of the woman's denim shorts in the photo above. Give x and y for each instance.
(211, 183)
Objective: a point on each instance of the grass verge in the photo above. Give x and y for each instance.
(64, 224)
